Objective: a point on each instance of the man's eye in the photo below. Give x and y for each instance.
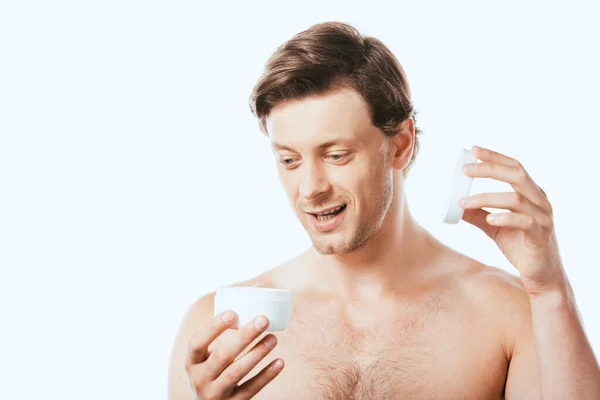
(286, 161)
(336, 156)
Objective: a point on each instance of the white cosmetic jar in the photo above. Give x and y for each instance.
(250, 302)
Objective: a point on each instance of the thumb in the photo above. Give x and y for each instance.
(477, 217)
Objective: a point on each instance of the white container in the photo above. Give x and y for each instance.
(250, 302)
(459, 187)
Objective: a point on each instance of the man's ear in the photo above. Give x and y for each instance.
(403, 144)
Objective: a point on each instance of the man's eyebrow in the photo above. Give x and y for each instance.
(322, 146)
(277, 146)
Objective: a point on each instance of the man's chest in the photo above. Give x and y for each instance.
(412, 357)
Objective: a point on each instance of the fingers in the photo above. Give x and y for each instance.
(501, 172)
(515, 176)
(506, 169)
(484, 154)
(512, 201)
(535, 234)
(235, 372)
(227, 351)
(216, 374)
(203, 337)
(478, 217)
(530, 209)
(252, 386)
(519, 221)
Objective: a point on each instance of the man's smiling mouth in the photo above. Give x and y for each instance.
(329, 213)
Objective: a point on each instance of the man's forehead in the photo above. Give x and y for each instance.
(340, 116)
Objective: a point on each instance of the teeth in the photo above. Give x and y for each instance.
(330, 212)
(324, 217)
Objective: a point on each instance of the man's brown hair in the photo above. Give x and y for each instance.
(330, 56)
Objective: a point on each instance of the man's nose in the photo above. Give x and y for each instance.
(314, 182)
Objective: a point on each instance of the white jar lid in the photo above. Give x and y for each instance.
(459, 187)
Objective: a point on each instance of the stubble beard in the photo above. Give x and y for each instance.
(366, 228)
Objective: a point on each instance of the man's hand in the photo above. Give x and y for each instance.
(525, 234)
(215, 373)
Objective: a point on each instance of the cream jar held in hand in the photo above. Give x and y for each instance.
(249, 302)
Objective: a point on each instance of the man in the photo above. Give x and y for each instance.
(383, 310)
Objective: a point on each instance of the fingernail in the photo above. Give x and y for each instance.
(278, 365)
(270, 342)
(260, 323)
(493, 218)
(464, 201)
(229, 316)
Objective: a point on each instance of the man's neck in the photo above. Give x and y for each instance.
(397, 254)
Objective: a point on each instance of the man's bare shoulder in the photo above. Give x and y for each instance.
(499, 297)
(483, 284)
(493, 287)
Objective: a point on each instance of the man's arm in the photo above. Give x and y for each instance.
(568, 367)
(552, 358)
(525, 234)
(200, 311)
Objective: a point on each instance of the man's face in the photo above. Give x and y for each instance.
(329, 155)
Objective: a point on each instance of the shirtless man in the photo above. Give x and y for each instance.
(381, 309)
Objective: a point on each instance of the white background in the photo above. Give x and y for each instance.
(133, 178)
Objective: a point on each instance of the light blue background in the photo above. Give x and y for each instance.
(133, 178)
